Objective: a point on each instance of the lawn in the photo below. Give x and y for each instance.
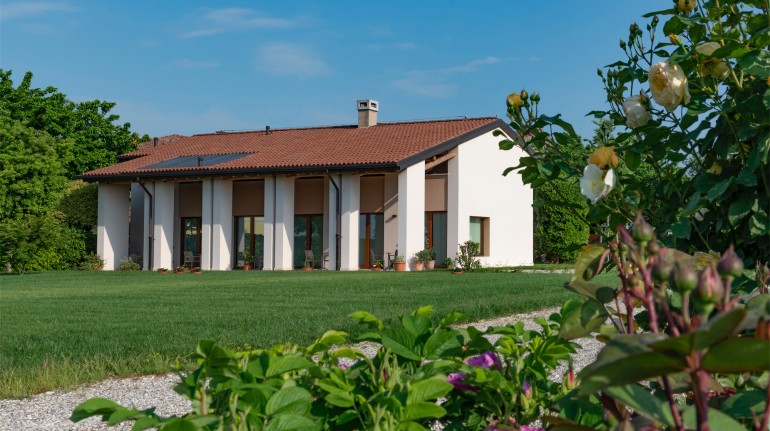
(61, 329)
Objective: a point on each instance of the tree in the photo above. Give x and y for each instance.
(33, 173)
(95, 136)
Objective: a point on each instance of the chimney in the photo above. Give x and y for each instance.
(155, 142)
(367, 112)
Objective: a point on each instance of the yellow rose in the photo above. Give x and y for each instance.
(714, 67)
(686, 5)
(604, 156)
(668, 85)
(515, 101)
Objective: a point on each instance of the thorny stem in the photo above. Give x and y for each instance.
(672, 404)
(699, 378)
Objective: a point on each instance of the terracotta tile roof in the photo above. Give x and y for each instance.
(384, 146)
(144, 148)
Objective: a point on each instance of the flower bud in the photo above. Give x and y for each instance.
(636, 285)
(653, 247)
(535, 97)
(527, 389)
(622, 44)
(514, 101)
(655, 20)
(633, 28)
(661, 271)
(523, 95)
(710, 288)
(599, 72)
(683, 278)
(675, 39)
(641, 230)
(730, 265)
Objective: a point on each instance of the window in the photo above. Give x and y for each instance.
(249, 241)
(308, 235)
(371, 232)
(480, 234)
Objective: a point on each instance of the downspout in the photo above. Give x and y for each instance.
(151, 228)
(337, 251)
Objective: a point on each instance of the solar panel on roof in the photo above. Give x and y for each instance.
(195, 161)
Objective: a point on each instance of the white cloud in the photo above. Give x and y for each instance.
(233, 19)
(26, 9)
(471, 66)
(188, 64)
(426, 84)
(281, 58)
(434, 83)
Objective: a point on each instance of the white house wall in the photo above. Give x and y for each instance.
(112, 224)
(477, 188)
(163, 231)
(411, 211)
(351, 199)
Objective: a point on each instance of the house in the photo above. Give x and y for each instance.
(348, 194)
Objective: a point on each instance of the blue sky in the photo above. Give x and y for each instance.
(194, 66)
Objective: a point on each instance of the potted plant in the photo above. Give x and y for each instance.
(307, 266)
(399, 263)
(448, 263)
(247, 260)
(179, 270)
(377, 266)
(196, 270)
(430, 256)
(162, 270)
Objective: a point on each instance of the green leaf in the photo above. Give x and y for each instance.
(94, 407)
(416, 325)
(328, 339)
(290, 422)
(740, 209)
(289, 400)
(633, 160)
(675, 25)
(716, 420)
(643, 402)
(427, 390)
(756, 63)
(692, 205)
(738, 355)
(759, 224)
(285, 364)
(443, 343)
(766, 98)
(745, 404)
(719, 189)
(366, 318)
(339, 399)
(587, 264)
(603, 294)
(401, 342)
(746, 178)
(181, 424)
(583, 320)
(682, 228)
(506, 145)
(423, 410)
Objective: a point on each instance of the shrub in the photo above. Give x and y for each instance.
(129, 265)
(466, 258)
(560, 224)
(92, 262)
(38, 243)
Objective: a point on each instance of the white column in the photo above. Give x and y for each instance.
(351, 202)
(207, 216)
(112, 222)
(222, 225)
(163, 231)
(330, 221)
(411, 211)
(284, 222)
(454, 225)
(268, 261)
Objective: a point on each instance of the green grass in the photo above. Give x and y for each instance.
(61, 329)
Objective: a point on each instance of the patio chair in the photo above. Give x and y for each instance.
(310, 258)
(190, 259)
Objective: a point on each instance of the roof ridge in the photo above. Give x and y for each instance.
(343, 126)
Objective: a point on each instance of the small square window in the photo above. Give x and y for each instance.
(479, 232)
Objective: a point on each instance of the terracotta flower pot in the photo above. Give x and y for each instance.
(247, 267)
(417, 265)
(400, 266)
(430, 265)
(307, 269)
(376, 268)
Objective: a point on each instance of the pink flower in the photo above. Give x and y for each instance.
(457, 379)
(529, 428)
(486, 360)
(527, 388)
(344, 366)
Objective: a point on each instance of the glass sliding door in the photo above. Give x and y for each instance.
(436, 235)
(308, 235)
(249, 241)
(371, 233)
(191, 241)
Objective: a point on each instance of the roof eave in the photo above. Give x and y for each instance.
(457, 140)
(287, 170)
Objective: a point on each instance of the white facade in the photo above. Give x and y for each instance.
(474, 187)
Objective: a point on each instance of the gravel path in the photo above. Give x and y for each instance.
(51, 410)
